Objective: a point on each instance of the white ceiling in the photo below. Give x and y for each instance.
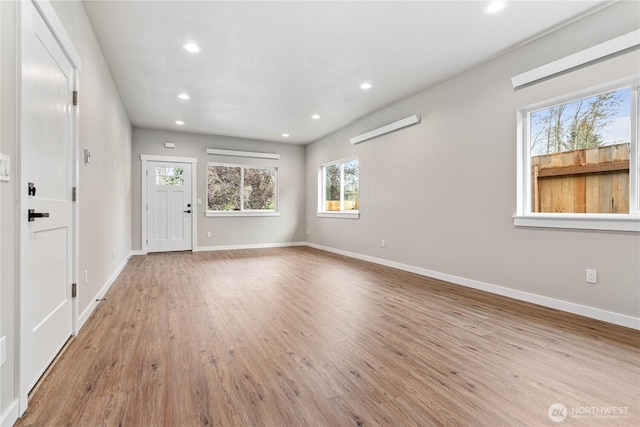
(266, 67)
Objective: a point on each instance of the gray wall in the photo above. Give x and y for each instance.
(229, 231)
(442, 193)
(8, 195)
(104, 192)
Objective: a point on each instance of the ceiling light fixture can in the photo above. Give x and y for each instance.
(495, 7)
(179, 122)
(184, 96)
(315, 116)
(191, 47)
(285, 135)
(365, 85)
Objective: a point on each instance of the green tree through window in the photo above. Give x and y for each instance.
(341, 186)
(239, 188)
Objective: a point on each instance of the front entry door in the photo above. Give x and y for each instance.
(169, 206)
(46, 198)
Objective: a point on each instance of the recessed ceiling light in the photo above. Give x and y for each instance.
(365, 85)
(191, 47)
(179, 122)
(285, 135)
(495, 7)
(315, 116)
(184, 96)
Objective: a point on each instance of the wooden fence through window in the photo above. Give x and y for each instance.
(594, 180)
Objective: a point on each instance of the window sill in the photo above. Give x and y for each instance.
(240, 213)
(345, 215)
(607, 222)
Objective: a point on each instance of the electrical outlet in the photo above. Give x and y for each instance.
(208, 234)
(592, 276)
(86, 277)
(383, 243)
(3, 351)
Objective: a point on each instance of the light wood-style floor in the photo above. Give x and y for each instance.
(300, 337)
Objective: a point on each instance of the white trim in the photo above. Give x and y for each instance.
(342, 160)
(11, 414)
(234, 153)
(101, 293)
(634, 153)
(248, 246)
(630, 80)
(402, 123)
(144, 217)
(576, 221)
(525, 217)
(230, 214)
(321, 213)
(154, 158)
(594, 53)
(145, 159)
(343, 214)
(75, 304)
(2, 178)
(570, 307)
(51, 18)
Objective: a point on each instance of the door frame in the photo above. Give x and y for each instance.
(144, 212)
(48, 14)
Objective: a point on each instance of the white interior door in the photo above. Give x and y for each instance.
(46, 198)
(170, 208)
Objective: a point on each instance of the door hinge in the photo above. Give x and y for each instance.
(74, 194)
(74, 290)
(75, 97)
(147, 241)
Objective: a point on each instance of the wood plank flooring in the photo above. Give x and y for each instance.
(301, 337)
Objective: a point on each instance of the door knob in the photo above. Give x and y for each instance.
(33, 215)
(189, 211)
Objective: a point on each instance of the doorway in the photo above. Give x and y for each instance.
(48, 215)
(168, 208)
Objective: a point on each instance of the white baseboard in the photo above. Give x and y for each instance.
(570, 307)
(101, 293)
(11, 414)
(250, 246)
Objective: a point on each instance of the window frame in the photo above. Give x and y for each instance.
(243, 211)
(322, 212)
(525, 217)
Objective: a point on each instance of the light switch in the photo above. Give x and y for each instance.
(5, 167)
